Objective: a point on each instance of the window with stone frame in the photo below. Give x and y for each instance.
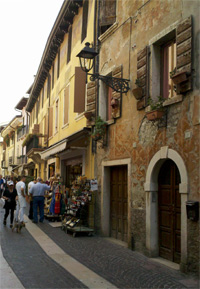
(107, 14)
(168, 51)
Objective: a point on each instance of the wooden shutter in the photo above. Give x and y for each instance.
(143, 75)
(91, 101)
(66, 104)
(79, 90)
(107, 12)
(50, 121)
(40, 131)
(84, 20)
(184, 51)
(116, 112)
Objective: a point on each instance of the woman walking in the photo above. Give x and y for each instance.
(10, 195)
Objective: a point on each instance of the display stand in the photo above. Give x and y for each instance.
(79, 217)
(53, 201)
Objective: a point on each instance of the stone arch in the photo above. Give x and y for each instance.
(151, 189)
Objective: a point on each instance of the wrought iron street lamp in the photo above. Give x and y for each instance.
(86, 58)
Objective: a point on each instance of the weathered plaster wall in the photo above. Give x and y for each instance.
(133, 136)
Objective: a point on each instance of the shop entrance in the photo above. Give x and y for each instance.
(169, 212)
(118, 202)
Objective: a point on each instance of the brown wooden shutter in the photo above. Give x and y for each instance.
(91, 101)
(79, 90)
(107, 12)
(40, 131)
(143, 75)
(184, 51)
(66, 104)
(116, 112)
(50, 121)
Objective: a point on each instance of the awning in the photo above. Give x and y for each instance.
(60, 146)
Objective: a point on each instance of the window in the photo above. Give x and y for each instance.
(49, 86)
(56, 117)
(58, 64)
(42, 96)
(168, 64)
(69, 44)
(53, 76)
(50, 121)
(84, 20)
(66, 106)
(107, 14)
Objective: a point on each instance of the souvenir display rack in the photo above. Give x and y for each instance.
(78, 218)
(55, 201)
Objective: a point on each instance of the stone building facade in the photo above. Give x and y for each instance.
(149, 169)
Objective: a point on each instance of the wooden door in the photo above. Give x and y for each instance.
(169, 203)
(118, 203)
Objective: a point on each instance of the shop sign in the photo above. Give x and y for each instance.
(93, 185)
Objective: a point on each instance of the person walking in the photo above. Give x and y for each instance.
(10, 195)
(37, 191)
(1, 186)
(21, 192)
(30, 184)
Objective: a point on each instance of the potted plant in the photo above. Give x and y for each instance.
(178, 77)
(99, 129)
(138, 91)
(156, 108)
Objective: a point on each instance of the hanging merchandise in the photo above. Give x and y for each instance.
(79, 216)
(57, 200)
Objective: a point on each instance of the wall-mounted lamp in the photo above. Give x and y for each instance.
(86, 58)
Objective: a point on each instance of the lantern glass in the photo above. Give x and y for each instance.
(86, 57)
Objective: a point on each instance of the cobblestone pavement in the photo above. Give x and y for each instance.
(120, 266)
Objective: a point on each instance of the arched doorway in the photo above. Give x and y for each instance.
(169, 212)
(151, 188)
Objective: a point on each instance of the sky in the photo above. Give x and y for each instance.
(25, 26)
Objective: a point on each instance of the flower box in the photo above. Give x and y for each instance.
(154, 114)
(138, 92)
(179, 77)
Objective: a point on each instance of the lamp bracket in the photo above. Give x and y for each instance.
(117, 84)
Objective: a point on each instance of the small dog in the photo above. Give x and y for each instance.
(18, 226)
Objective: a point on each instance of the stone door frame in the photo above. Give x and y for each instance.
(151, 189)
(105, 194)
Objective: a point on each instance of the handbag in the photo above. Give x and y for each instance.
(2, 202)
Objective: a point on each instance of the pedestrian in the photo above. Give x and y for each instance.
(1, 185)
(10, 195)
(37, 191)
(21, 192)
(30, 184)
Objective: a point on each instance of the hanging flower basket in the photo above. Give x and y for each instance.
(99, 129)
(88, 114)
(155, 114)
(179, 77)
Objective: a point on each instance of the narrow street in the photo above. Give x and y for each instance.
(43, 256)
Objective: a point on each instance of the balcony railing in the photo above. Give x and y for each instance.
(32, 144)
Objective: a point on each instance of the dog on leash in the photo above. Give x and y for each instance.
(18, 226)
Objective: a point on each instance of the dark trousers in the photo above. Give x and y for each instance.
(31, 210)
(38, 202)
(11, 211)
